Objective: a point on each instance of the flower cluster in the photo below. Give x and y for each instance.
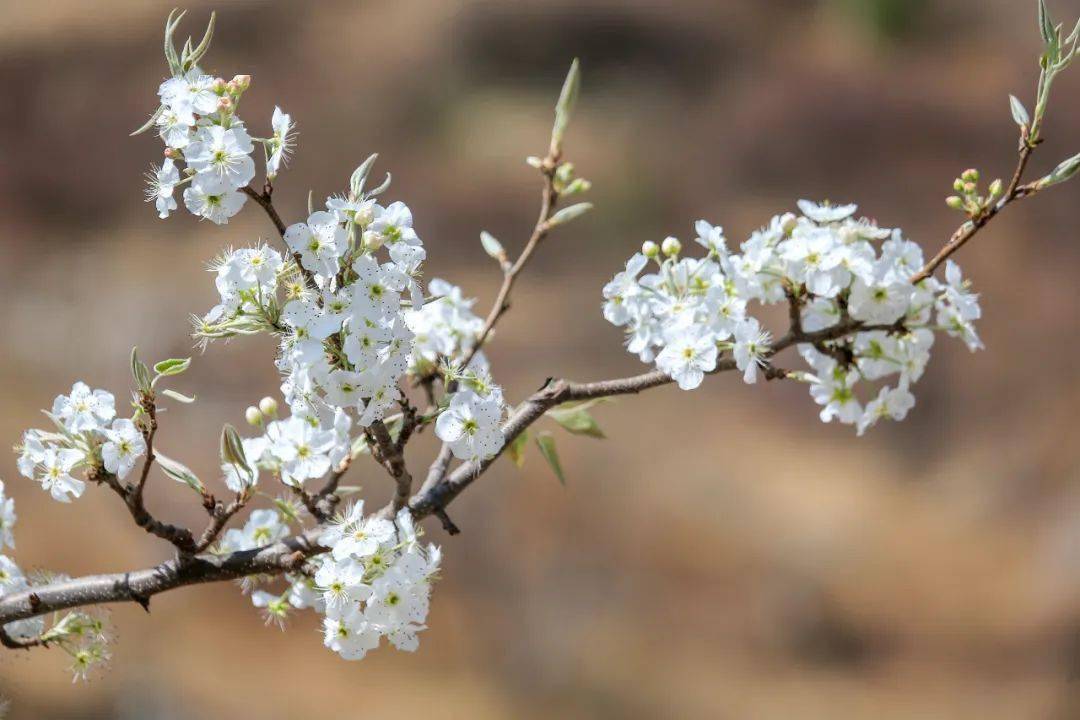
(445, 331)
(838, 272)
(88, 435)
(444, 328)
(198, 122)
(374, 582)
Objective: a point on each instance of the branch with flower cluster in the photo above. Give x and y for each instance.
(360, 337)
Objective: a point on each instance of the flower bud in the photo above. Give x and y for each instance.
(218, 86)
(372, 240)
(970, 188)
(242, 81)
(268, 406)
(650, 249)
(171, 153)
(364, 216)
(253, 416)
(971, 175)
(224, 104)
(232, 88)
(788, 223)
(956, 203)
(671, 246)
(958, 185)
(579, 185)
(996, 188)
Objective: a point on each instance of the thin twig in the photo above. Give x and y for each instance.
(548, 200)
(968, 230)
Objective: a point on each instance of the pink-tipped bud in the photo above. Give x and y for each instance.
(218, 86)
(224, 104)
(243, 82)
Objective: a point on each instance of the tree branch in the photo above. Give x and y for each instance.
(968, 230)
(140, 585)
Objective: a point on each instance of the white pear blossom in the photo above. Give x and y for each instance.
(55, 474)
(890, 402)
(213, 199)
(320, 242)
(281, 142)
(688, 357)
(162, 183)
(222, 153)
(84, 409)
(123, 447)
(751, 348)
(7, 519)
(470, 425)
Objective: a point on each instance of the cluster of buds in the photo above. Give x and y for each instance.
(969, 198)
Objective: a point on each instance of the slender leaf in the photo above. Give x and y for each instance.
(173, 366)
(178, 397)
(577, 421)
(546, 442)
(569, 213)
(1019, 112)
(516, 449)
(179, 472)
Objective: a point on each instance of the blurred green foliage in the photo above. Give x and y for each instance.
(886, 19)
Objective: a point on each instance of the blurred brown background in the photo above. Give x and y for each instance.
(724, 554)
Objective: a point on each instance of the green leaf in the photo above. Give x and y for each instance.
(1019, 112)
(173, 366)
(139, 371)
(564, 108)
(1065, 171)
(516, 449)
(193, 56)
(360, 175)
(569, 213)
(171, 23)
(382, 188)
(179, 472)
(178, 397)
(577, 420)
(149, 123)
(546, 442)
(232, 450)
(1046, 25)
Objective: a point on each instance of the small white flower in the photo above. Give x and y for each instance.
(84, 409)
(281, 143)
(211, 198)
(124, 445)
(7, 519)
(191, 92)
(890, 403)
(162, 183)
(879, 303)
(320, 242)
(222, 153)
(834, 392)
(687, 358)
(471, 425)
(751, 348)
(55, 475)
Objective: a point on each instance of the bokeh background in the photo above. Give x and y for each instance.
(723, 554)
